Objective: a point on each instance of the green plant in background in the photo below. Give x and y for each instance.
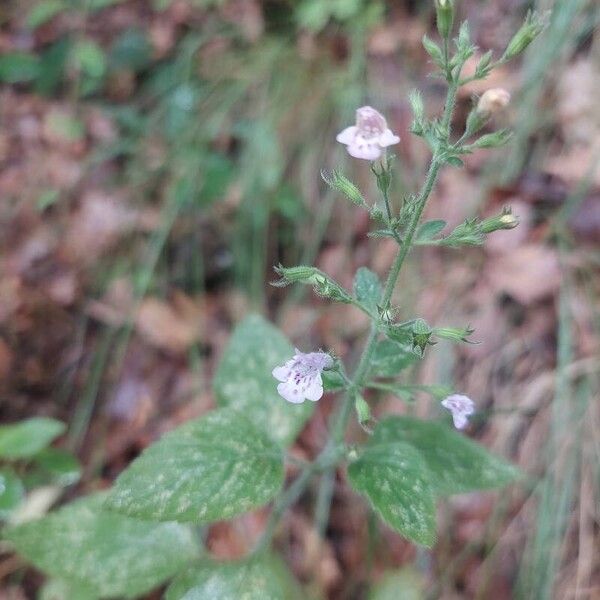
(28, 463)
(136, 536)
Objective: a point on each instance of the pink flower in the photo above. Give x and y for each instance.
(300, 376)
(461, 408)
(369, 136)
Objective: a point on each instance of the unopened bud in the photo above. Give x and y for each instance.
(504, 221)
(323, 285)
(421, 334)
(337, 181)
(454, 334)
(300, 274)
(493, 101)
(534, 24)
(363, 412)
(445, 16)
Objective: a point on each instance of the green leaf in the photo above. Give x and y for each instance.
(53, 63)
(131, 50)
(18, 67)
(457, 464)
(207, 470)
(367, 288)
(57, 589)
(111, 554)
(89, 58)
(265, 578)
(24, 439)
(11, 492)
(391, 357)
(61, 465)
(43, 11)
(395, 479)
(429, 230)
(244, 381)
(405, 584)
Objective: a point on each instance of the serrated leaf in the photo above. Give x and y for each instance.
(367, 288)
(457, 464)
(11, 491)
(429, 230)
(265, 578)
(390, 357)
(207, 470)
(395, 479)
(110, 554)
(24, 439)
(244, 381)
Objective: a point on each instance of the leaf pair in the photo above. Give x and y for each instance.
(409, 463)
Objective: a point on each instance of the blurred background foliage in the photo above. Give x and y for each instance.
(157, 157)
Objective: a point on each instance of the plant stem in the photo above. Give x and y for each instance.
(329, 458)
(282, 503)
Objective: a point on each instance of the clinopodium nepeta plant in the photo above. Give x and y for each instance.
(137, 535)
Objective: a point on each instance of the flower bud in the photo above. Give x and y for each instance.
(323, 285)
(421, 334)
(337, 181)
(300, 274)
(493, 101)
(445, 16)
(454, 334)
(363, 412)
(383, 174)
(328, 288)
(490, 103)
(504, 221)
(534, 24)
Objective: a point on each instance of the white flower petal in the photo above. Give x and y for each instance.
(281, 373)
(387, 138)
(360, 148)
(346, 136)
(290, 392)
(459, 419)
(314, 390)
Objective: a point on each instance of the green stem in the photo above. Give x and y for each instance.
(283, 502)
